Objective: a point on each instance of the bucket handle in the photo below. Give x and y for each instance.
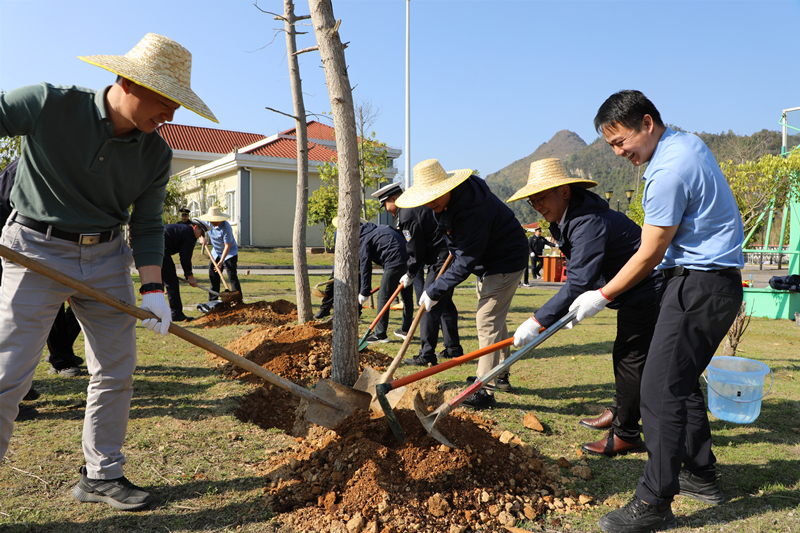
(772, 382)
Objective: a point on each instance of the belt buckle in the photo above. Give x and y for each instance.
(89, 238)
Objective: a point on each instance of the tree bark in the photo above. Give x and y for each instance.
(301, 283)
(344, 367)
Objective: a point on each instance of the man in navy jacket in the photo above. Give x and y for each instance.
(485, 239)
(180, 239)
(597, 243)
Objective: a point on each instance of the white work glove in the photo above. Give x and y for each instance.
(533, 254)
(406, 280)
(362, 299)
(426, 302)
(157, 304)
(526, 332)
(589, 304)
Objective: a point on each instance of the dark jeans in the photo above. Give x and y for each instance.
(389, 283)
(62, 337)
(443, 314)
(636, 323)
(169, 276)
(697, 310)
(230, 267)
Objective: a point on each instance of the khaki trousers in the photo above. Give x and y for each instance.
(28, 305)
(494, 300)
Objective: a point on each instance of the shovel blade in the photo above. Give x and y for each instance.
(231, 296)
(346, 399)
(429, 420)
(367, 381)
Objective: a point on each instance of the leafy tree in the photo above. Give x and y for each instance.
(323, 203)
(174, 200)
(9, 150)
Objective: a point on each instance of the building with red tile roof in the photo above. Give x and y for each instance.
(251, 176)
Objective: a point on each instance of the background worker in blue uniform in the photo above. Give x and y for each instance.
(693, 235)
(180, 239)
(487, 240)
(224, 248)
(425, 245)
(383, 245)
(88, 156)
(185, 216)
(597, 242)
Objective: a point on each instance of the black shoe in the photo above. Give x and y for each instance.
(700, 489)
(119, 493)
(181, 318)
(400, 333)
(444, 354)
(638, 517)
(32, 395)
(26, 413)
(501, 383)
(322, 313)
(374, 338)
(69, 372)
(421, 361)
(480, 400)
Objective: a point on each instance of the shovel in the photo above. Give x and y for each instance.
(328, 405)
(429, 420)
(234, 295)
(363, 344)
(315, 289)
(225, 296)
(370, 377)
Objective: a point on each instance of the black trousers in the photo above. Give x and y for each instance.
(525, 275)
(538, 263)
(389, 283)
(636, 323)
(230, 267)
(169, 276)
(697, 309)
(64, 331)
(327, 300)
(445, 315)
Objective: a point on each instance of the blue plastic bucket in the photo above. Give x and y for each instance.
(736, 388)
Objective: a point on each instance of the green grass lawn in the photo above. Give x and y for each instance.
(205, 467)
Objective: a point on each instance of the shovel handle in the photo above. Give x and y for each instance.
(386, 306)
(387, 376)
(216, 267)
(200, 287)
(176, 330)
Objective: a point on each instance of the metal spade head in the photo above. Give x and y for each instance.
(429, 420)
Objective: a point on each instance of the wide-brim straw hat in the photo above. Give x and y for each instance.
(335, 221)
(161, 65)
(430, 182)
(546, 174)
(215, 214)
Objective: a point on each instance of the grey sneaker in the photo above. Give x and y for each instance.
(69, 372)
(700, 489)
(119, 493)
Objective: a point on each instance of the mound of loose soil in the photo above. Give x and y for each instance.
(299, 353)
(359, 478)
(257, 313)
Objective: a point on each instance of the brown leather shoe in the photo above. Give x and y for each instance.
(612, 445)
(601, 422)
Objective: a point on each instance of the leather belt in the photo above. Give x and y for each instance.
(51, 231)
(683, 271)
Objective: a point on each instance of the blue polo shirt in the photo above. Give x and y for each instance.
(685, 186)
(220, 236)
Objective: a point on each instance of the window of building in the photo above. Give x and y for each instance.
(230, 205)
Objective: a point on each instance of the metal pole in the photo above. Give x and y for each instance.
(408, 96)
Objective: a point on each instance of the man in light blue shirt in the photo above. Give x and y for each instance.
(226, 253)
(693, 234)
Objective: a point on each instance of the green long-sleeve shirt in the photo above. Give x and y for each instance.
(74, 174)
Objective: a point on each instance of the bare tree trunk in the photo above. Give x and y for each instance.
(301, 283)
(735, 333)
(345, 288)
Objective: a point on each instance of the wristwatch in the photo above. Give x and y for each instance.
(151, 287)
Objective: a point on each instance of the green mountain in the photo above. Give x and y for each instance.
(597, 162)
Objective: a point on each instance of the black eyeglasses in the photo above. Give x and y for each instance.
(537, 202)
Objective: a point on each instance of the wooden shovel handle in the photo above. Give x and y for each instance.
(387, 376)
(176, 330)
(216, 267)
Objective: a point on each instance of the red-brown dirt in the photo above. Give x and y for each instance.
(359, 478)
(257, 313)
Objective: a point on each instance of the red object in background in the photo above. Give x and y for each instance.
(746, 283)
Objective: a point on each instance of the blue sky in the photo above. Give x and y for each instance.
(491, 81)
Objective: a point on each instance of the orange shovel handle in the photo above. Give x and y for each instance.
(386, 306)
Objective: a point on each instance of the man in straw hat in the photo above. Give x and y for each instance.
(597, 242)
(425, 245)
(226, 252)
(693, 235)
(180, 239)
(486, 240)
(86, 157)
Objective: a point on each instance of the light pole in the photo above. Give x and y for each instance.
(629, 195)
(609, 193)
